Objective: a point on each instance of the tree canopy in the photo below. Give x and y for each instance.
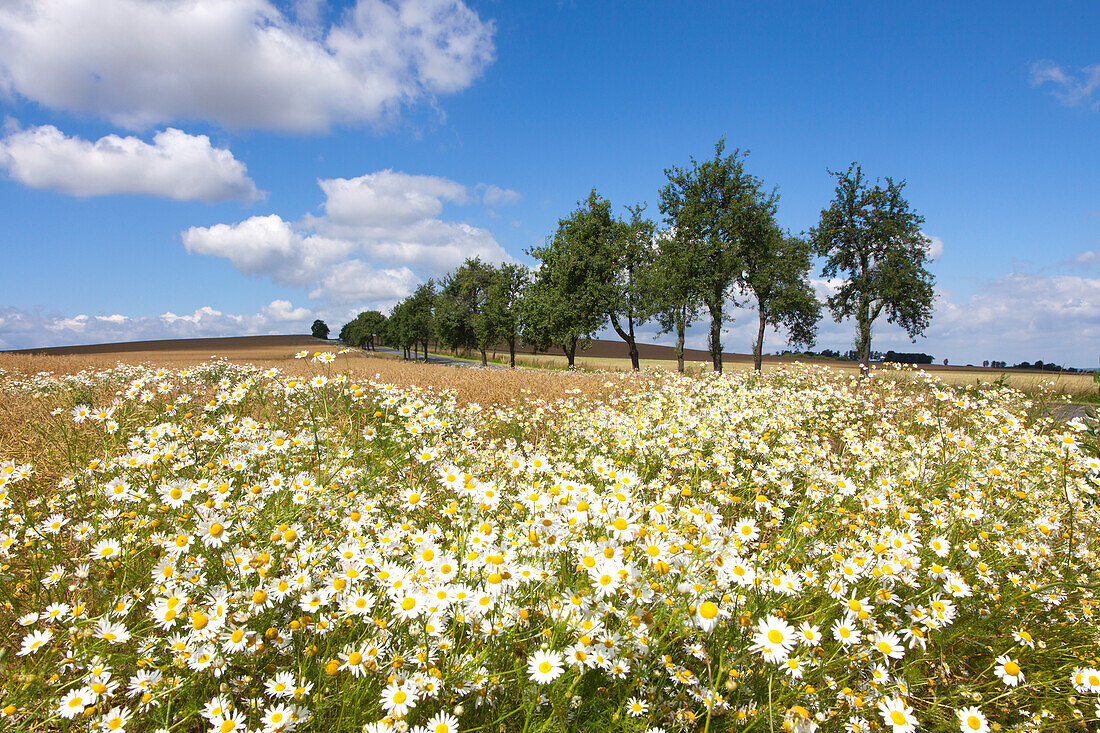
(463, 316)
(362, 330)
(775, 272)
(712, 204)
(567, 299)
(872, 239)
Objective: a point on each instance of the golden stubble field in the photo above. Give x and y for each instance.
(279, 351)
(1062, 386)
(21, 440)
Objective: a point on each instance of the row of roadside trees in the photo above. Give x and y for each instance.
(720, 246)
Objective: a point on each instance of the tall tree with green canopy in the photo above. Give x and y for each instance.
(362, 330)
(399, 330)
(872, 240)
(319, 329)
(775, 272)
(374, 324)
(463, 317)
(503, 307)
(627, 255)
(713, 202)
(567, 299)
(422, 316)
(670, 286)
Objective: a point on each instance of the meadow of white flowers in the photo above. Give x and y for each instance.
(224, 549)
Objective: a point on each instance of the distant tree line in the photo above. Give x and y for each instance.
(720, 245)
(1038, 364)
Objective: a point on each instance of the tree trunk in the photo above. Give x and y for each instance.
(633, 344)
(716, 339)
(484, 361)
(628, 337)
(758, 347)
(864, 346)
(681, 318)
(571, 351)
(512, 352)
(416, 353)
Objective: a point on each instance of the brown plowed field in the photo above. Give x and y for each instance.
(210, 345)
(242, 348)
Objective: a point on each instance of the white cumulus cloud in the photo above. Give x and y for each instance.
(175, 165)
(387, 199)
(1069, 87)
(357, 282)
(935, 246)
(1086, 260)
(497, 196)
(378, 235)
(267, 245)
(239, 63)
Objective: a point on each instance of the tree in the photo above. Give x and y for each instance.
(398, 330)
(712, 203)
(671, 286)
(374, 324)
(320, 329)
(463, 318)
(504, 303)
(411, 321)
(422, 316)
(362, 330)
(775, 270)
(629, 253)
(872, 239)
(567, 300)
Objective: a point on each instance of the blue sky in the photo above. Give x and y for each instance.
(219, 166)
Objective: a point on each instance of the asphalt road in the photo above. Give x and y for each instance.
(1069, 412)
(443, 360)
